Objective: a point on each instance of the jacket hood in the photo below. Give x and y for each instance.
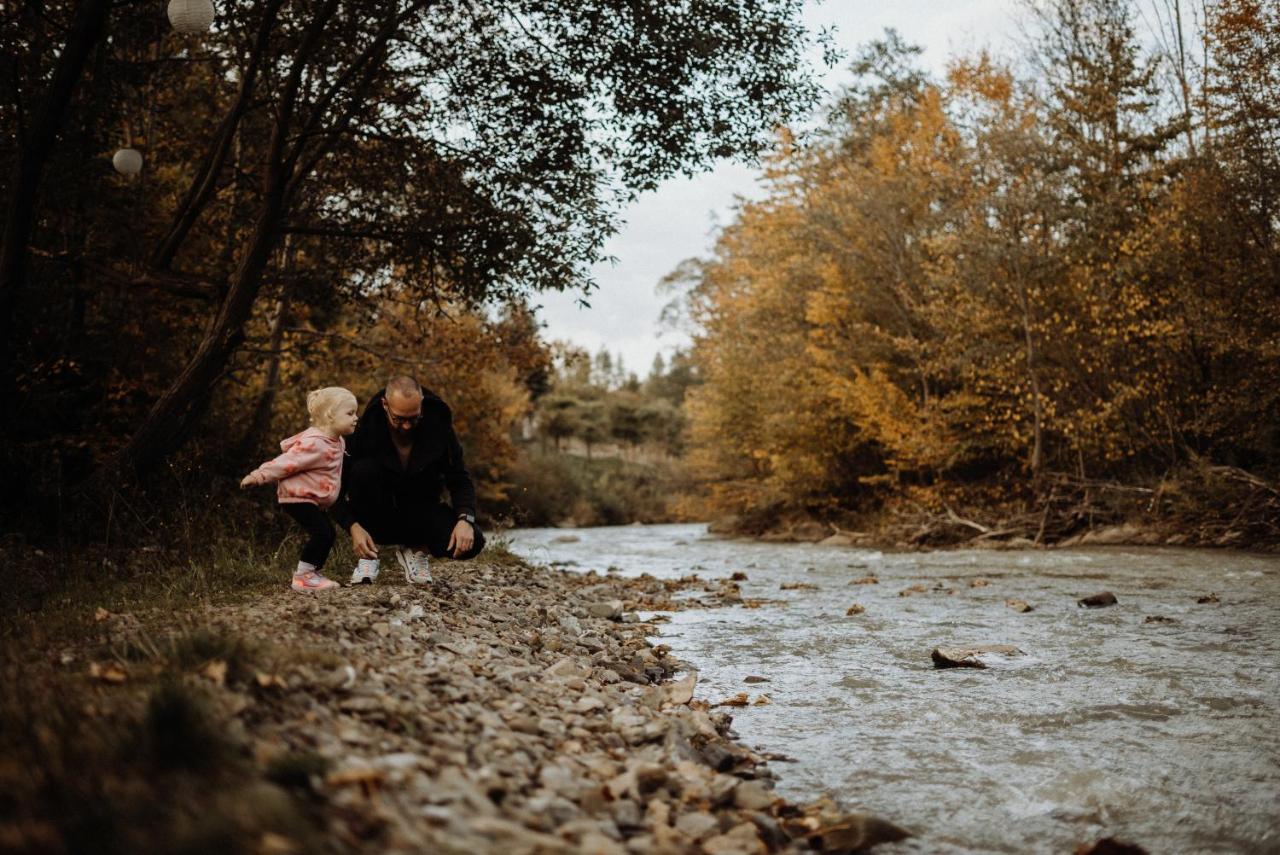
(286, 444)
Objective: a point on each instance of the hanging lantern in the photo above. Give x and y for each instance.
(127, 161)
(191, 16)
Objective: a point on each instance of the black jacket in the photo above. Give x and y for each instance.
(435, 462)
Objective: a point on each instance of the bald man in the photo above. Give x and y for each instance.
(403, 453)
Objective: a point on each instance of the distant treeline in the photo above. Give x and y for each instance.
(1039, 275)
(602, 446)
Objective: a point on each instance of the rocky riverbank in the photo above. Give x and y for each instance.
(511, 708)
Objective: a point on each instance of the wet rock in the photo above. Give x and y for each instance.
(738, 576)
(978, 583)
(1019, 605)
(836, 540)
(1158, 619)
(751, 678)
(866, 580)
(1098, 600)
(752, 795)
(797, 586)
(969, 657)
(742, 839)
(855, 833)
(914, 589)
(855, 609)
(681, 691)
(1110, 846)
(1208, 598)
(608, 609)
(566, 538)
(697, 825)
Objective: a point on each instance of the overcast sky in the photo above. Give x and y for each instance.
(677, 221)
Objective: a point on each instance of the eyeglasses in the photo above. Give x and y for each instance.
(405, 421)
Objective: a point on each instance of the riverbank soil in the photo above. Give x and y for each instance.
(1216, 506)
(507, 708)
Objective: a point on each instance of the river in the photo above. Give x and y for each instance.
(1165, 734)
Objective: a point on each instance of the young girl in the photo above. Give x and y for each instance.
(309, 475)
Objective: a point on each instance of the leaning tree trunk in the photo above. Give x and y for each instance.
(265, 405)
(163, 427)
(34, 153)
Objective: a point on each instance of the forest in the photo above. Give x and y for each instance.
(1032, 298)
(200, 228)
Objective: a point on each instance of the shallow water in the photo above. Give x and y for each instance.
(1163, 734)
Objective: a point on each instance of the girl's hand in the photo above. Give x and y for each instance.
(247, 482)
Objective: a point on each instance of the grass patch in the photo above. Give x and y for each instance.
(296, 769)
(179, 731)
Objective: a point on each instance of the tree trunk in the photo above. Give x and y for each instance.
(34, 153)
(266, 401)
(1037, 405)
(163, 426)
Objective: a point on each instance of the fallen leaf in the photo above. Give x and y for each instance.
(367, 779)
(276, 844)
(855, 609)
(268, 681)
(108, 672)
(101, 614)
(216, 670)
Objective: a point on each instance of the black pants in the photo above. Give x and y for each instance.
(315, 523)
(391, 517)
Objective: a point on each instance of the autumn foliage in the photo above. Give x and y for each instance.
(1003, 284)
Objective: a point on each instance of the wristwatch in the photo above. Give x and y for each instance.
(471, 518)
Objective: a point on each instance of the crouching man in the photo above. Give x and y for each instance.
(403, 453)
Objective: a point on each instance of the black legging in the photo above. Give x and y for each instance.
(391, 517)
(315, 523)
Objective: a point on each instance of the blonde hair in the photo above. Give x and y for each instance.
(323, 403)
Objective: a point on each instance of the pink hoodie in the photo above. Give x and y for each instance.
(310, 470)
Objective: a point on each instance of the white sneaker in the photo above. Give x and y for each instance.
(416, 564)
(366, 571)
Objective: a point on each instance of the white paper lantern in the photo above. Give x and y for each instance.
(127, 161)
(191, 16)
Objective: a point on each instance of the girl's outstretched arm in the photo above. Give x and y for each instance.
(300, 457)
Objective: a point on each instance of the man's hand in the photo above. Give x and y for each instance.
(462, 539)
(362, 542)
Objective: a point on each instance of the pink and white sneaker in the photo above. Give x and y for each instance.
(312, 581)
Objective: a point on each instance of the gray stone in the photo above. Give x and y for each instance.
(969, 657)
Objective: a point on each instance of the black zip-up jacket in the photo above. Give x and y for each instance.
(435, 461)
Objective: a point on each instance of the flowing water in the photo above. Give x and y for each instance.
(1165, 734)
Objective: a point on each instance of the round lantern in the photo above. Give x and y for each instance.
(127, 161)
(191, 16)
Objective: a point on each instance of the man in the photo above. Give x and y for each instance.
(403, 452)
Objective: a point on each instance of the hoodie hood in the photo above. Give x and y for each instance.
(286, 444)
